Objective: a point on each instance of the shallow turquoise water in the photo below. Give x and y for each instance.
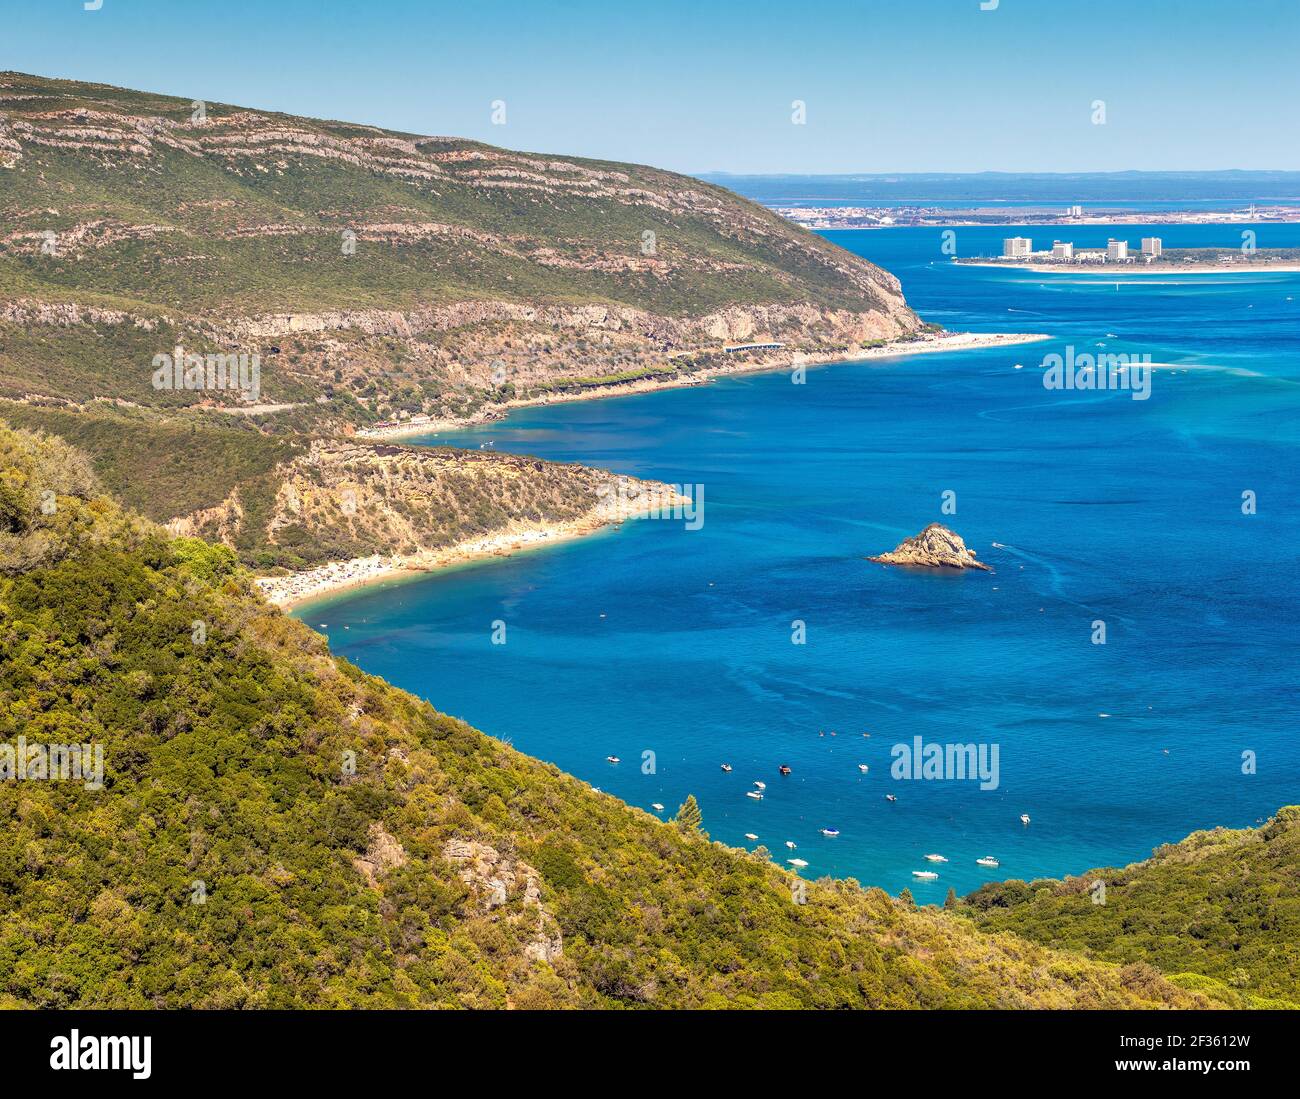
(658, 638)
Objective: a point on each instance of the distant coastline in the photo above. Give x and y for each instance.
(823, 218)
(1110, 271)
(311, 585)
(924, 345)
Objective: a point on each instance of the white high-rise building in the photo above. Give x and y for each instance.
(1152, 246)
(1074, 212)
(1017, 246)
(1062, 249)
(1116, 249)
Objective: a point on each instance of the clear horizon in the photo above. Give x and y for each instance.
(886, 88)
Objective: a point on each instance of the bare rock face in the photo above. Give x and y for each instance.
(934, 547)
(497, 879)
(383, 853)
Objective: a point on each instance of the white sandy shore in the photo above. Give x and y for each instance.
(338, 576)
(1111, 271)
(949, 341)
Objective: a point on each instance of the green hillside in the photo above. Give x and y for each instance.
(275, 828)
(1219, 910)
(137, 223)
(136, 180)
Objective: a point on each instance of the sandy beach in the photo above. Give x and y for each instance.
(312, 584)
(948, 341)
(338, 576)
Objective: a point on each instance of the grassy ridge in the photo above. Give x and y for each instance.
(163, 468)
(719, 249)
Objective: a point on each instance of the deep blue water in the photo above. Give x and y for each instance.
(654, 637)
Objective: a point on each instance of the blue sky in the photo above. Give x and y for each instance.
(890, 85)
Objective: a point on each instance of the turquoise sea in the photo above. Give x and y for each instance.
(658, 638)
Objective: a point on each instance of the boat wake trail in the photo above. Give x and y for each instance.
(1055, 577)
(1056, 582)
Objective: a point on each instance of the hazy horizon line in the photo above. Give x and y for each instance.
(1203, 172)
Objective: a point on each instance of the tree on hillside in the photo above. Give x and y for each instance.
(689, 817)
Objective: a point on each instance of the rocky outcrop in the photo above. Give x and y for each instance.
(731, 323)
(497, 880)
(28, 312)
(220, 523)
(934, 547)
(346, 499)
(383, 853)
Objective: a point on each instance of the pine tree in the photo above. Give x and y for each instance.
(689, 817)
(950, 901)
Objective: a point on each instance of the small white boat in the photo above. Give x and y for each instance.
(613, 759)
(790, 844)
(760, 785)
(924, 875)
(863, 768)
(754, 794)
(727, 767)
(935, 858)
(987, 860)
(830, 831)
(890, 797)
(750, 836)
(796, 862)
(1024, 818)
(656, 806)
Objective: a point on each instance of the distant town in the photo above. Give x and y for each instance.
(1064, 251)
(1151, 254)
(888, 217)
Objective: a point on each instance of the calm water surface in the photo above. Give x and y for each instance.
(657, 638)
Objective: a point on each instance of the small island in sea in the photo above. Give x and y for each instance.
(934, 547)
